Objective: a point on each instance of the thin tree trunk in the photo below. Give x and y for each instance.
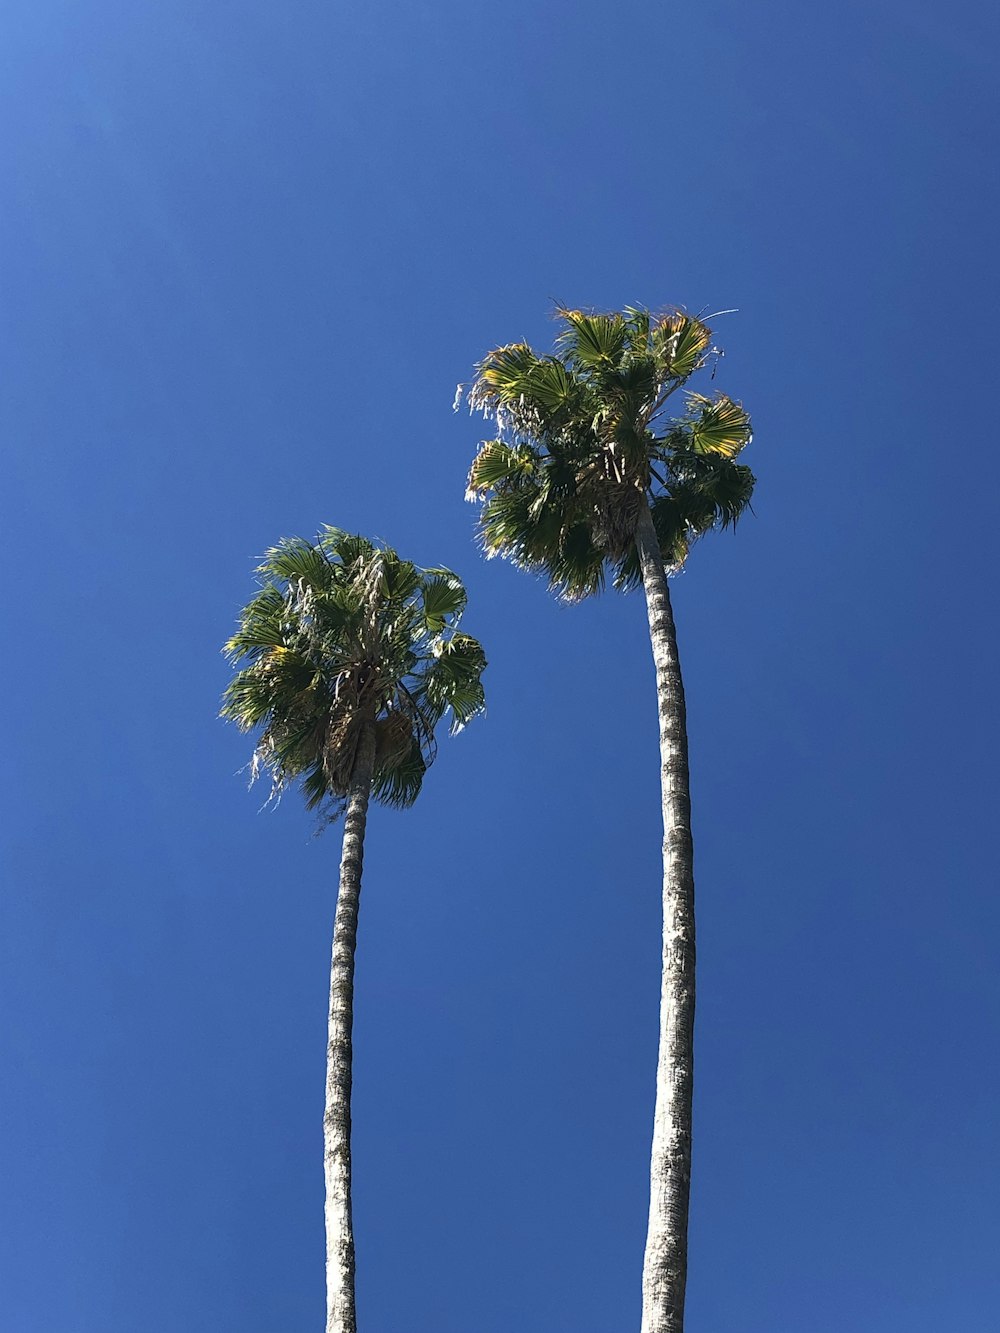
(664, 1273)
(340, 1312)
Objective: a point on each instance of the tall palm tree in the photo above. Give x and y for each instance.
(348, 659)
(589, 476)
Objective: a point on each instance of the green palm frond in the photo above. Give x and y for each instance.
(550, 386)
(516, 523)
(717, 426)
(681, 343)
(576, 568)
(638, 323)
(344, 634)
(452, 682)
(315, 790)
(497, 463)
(527, 394)
(633, 386)
(592, 341)
(502, 375)
(717, 488)
(443, 598)
(401, 579)
(261, 626)
(347, 549)
(294, 558)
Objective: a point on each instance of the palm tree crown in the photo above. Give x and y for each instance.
(584, 439)
(344, 633)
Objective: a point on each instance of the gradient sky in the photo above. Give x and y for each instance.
(248, 251)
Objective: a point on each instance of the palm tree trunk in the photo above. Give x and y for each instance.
(340, 1312)
(664, 1273)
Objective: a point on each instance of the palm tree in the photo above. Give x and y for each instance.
(590, 476)
(348, 659)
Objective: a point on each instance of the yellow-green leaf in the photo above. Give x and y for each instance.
(720, 427)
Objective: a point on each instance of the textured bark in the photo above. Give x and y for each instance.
(340, 1312)
(664, 1273)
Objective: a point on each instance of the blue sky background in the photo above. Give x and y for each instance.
(248, 251)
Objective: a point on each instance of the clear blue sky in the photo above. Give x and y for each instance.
(248, 251)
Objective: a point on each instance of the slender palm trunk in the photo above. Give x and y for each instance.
(340, 1313)
(664, 1273)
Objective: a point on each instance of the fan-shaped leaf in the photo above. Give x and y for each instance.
(680, 342)
(294, 558)
(719, 427)
(399, 786)
(593, 341)
(443, 596)
(497, 463)
(549, 385)
(502, 374)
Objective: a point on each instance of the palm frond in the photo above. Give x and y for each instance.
(452, 682)
(294, 558)
(681, 342)
(399, 786)
(262, 626)
(715, 493)
(592, 341)
(402, 577)
(717, 426)
(526, 394)
(638, 324)
(576, 568)
(443, 598)
(345, 549)
(498, 463)
(501, 376)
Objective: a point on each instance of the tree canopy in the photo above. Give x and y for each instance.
(344, 632)
(584, 437)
